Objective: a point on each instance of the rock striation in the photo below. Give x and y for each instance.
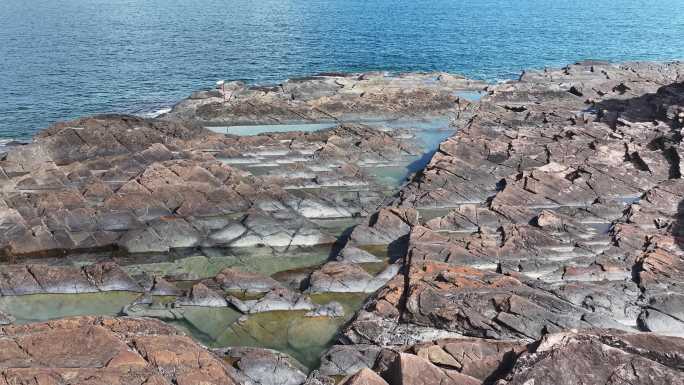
(541, 243)
(555, 208)
(562, 358)
(327, 97)
(90, 350)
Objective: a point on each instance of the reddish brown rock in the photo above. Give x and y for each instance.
(408, 369)
(365, 377)
(90, 350)
(578, 358)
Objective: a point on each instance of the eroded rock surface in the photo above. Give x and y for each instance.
(564, 358)
(89, 350)
(42, 279)
(534, 247)
(556, 208)
(327, 97)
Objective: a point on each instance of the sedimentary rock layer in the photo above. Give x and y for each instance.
(541, 244)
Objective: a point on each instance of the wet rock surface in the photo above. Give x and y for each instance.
(42, 279)
(540, 243)
(264, 367)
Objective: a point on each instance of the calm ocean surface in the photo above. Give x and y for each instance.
(61, 59)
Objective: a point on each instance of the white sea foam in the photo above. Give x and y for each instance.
(4, 142)
(155, 113)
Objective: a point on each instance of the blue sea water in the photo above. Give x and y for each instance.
(61, 59)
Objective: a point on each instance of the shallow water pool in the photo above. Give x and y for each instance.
(291, 332)
(473, 96)
(43, 307)
(249, 130)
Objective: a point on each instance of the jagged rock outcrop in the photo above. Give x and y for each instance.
(592, 357)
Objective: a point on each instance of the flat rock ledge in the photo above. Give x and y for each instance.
(327, 97)
(121, 351)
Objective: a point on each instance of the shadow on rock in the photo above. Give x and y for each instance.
(678, 226)
(667, 105)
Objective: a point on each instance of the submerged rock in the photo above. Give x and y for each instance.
(236, 280)
(276, 299)
(162, 287)
(6, 319)
(330, 310)
(200, 295)
(263, 366)
(153, 310)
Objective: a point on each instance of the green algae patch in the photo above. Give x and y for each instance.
(206, 323)
(304, 338)
(291, 332)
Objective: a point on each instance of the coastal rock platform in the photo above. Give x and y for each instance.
(380, 229)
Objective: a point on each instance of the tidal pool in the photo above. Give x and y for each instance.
(305, 338)
(248, 130)
(291, 332)
(43, 307)
(429, 132)
(473, 96)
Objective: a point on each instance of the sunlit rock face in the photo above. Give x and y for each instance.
(108, 350)
(328, 98)
(563, 194)
(144, 186)
(397, 230)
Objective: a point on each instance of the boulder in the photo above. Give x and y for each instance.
(410, 369)
(237, 280)
(276, 299)
(576, 358)
(264, 366)
(348, 278)
(365, 377)
(200, 295)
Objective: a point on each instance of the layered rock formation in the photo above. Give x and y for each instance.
(135, 185)
(555, 208)
(327, 97)
(541, 243)
(92, 350)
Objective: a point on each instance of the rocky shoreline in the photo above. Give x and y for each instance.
(403, 229)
